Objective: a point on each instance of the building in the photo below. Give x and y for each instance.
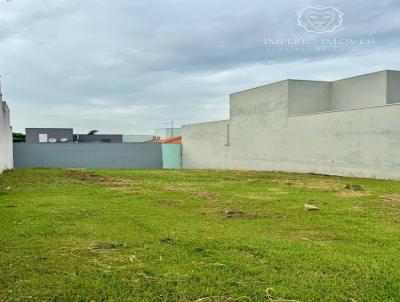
(66, 135)
(6, 145)
(173, 140)
(164, 133)
(45, 135)
(99, 138)
(137, 138)
(349, 127)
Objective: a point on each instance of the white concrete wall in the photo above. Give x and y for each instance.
(362, 143)
(362, 91)
(309, 96)
(393, 95)
(263, 136)
(6, 152)
(206, 146)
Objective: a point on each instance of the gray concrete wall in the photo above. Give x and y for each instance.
(254, 106)
(263, 136)
(361, 91)
(32, 134)
(206, 145)
(309, 96)
(98, 138)
(6, 146)
(393, 90)
(361, 143)
(80, 155)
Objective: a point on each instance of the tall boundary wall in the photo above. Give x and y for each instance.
(6, 146)
(295, 127)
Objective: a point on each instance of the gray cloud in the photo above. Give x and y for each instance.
(129, 66)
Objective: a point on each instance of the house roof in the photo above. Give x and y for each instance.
(173, 140)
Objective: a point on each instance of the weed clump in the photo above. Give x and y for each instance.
(354, 187)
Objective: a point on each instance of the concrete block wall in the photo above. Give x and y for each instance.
(89, 155)
(269, 131)
(6, 150)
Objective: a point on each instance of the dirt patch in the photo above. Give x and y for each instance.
(352, 190)
(108, 246)
(194, 193)
(395, 198)
(315, 184)
(85, 176)
(239, 214)
(348, 193)
(205, 195)
(94, 178)
(354, 187)
(166, 202)
(178, 190)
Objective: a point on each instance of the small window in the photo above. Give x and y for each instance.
(43, 138)
(106, 140)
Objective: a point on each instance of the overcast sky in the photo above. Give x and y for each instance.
(128, 66)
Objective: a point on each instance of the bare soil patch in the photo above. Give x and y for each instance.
(94, 178)
(239, 214)
(108, 246)
(395, 198)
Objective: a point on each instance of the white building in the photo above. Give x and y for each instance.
(349, 127)
(6, 147)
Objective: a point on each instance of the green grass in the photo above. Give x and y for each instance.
(77, 235)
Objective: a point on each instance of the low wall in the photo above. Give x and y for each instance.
(80, 155)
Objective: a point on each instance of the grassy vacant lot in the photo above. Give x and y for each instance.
(77, 235)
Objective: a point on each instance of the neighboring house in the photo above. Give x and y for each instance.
(98, 138)
(6, 145)
(137, 138)
(164, 133)
(66, 135)
(173, 140)
(46, 135)
(349, 127)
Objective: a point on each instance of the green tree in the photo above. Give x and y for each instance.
(19, 137)
(93, 132)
